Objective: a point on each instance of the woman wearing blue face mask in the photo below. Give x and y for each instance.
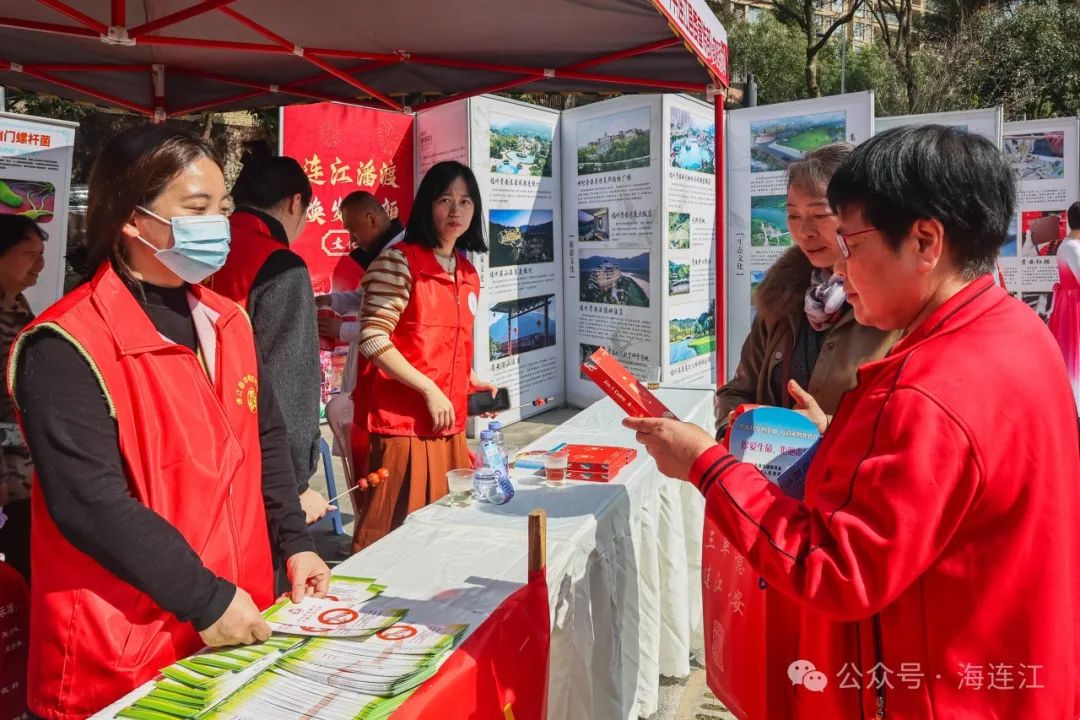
(160, 455)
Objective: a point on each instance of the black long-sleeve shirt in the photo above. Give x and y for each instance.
(75, 447)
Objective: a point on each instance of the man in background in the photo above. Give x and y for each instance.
(370, 231)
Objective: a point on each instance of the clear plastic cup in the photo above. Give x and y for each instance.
(555, 467)
(461, 487)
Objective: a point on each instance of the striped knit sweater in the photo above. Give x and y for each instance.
(387, 286)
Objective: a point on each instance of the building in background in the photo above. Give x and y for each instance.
(860, 31)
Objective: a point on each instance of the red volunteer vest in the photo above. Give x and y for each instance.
(250, 245)
(435, 334)
(192, 454)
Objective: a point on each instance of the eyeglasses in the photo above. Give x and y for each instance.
(842, 238)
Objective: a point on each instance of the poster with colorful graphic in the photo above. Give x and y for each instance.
(639, 207)
(35, 177)
(343, 149)
(1044, 156)
(513, 148)
(614, 165)
(688, 289)
(519, 330)
(761, 143)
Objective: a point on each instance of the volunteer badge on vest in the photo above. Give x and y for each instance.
(247, 393)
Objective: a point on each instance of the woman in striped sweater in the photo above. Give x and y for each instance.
(420, 299)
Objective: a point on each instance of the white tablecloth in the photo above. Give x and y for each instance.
(624, 561)
(623, 568)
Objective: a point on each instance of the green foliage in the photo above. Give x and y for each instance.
(966, 54)
(775, 53)
(1027, 59)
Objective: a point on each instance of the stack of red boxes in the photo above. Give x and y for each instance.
(598, 463)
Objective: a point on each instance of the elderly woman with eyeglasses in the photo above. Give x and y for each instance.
(937, 537)
(804, 338)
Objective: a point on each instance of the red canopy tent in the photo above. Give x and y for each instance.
(166, 58)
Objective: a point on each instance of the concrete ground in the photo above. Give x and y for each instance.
(680, 699)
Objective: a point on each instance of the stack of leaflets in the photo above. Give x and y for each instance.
(341, 679)
(191, 687)
(324, 617)
(354, 659)
(388, 663)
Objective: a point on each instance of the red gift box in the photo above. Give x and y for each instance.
(626, 390)
(598, 463)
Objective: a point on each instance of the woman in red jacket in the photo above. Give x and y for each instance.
(161, 465)
(936, 554)
(420, 299)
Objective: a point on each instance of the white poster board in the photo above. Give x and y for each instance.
(513, 148)
(639, 212)
(761, 142)
(613, 170)
(514, 152)
(987, 122)
(442, 133)
(1043, 153)
(688, 250)
(35, 179)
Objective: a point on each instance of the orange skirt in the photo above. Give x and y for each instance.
(418, 468)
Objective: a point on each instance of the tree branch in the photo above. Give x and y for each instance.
(837, 22)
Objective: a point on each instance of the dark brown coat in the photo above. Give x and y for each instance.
(779, 302)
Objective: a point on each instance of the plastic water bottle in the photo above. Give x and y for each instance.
(492, 479)
(496, 434)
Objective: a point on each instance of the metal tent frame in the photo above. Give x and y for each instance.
(105, 57)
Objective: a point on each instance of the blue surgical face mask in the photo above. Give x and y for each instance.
(200, 245)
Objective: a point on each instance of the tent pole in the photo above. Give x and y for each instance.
(51, 28)
(310, 57)
(720, 313)
(264, 87)
(354, 54)
(62, 67)
(157, 85)
(499, 87)
(566, 73)
(624, 54)
(97, 95)
(80, 17)
(119, 13)
(363, 67)
(191, 109)
(173, 18)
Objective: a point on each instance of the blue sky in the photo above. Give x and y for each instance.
(517, 218)
(502, 122)
(526, 324)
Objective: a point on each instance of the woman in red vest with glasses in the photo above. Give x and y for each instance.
(420, 298)
(161, 465)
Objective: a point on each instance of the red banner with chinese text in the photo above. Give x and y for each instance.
(14, 638)
(343, 149)
(500, 672)
(746, 667)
